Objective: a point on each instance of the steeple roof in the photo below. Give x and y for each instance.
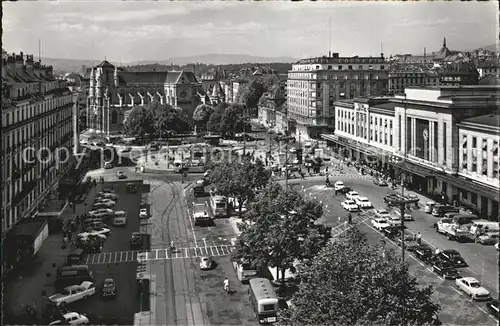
(106, 64)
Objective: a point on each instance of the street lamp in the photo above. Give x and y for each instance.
(402, 202)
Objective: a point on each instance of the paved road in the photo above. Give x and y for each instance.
(483, 266)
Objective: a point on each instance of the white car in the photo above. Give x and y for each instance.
(108, 196)
(496, 247)
(382, 213)
(338, 185)
(380, 223)
(101, 212)
(103, 204)
(71, 318)
(472, 288)
(352, 195)
(143, 213)
(350, 205)
(73, 293)
(108, 165)
(363, 202)
(101, 231)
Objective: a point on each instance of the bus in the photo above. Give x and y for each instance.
(264, 300)
(219, 205)
(199, 188)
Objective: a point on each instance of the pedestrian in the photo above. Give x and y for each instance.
(419, 238)
(437, 252)
(349, 218)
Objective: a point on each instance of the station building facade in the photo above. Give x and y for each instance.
(419, 137)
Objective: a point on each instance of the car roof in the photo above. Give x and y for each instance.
(72, 287)
(451, 251)
(205, 258)
(469, 279)
(108, 279)
(71, 314)
(363, 198)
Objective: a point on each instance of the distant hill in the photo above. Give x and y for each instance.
(68, 65)
(219, 59)
(491, 47)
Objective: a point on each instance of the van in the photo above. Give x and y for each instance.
(429, 206)
(462, 219)
(483, 224)
(120, 218)
(440, 210)
(245, 271)
(200, 214)
(73, 275)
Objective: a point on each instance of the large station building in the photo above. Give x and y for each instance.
(441, 140)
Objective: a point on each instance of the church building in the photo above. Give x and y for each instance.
(114, 92)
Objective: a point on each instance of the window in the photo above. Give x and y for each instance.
(485, 167)
(495, 170)
(360, 67)
(464, 141)
(339, 67)
(495, 148)
(473, 199)
(350, 67)
(464, 161)
(484, 145)
(474, 142)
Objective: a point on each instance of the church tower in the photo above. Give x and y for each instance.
(444, 43)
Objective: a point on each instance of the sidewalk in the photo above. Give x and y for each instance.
(30, 285)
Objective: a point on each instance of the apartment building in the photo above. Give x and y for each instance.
(314, 84)
(442, 140)
(37, 136)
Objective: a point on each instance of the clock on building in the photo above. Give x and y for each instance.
(425, 135)
(183, 94)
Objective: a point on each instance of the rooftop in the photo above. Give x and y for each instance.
(492, 120)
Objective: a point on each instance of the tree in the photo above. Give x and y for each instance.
(167, 118)
(202, 114)
(232, 119)
(140, 122)
(280, 228)
(155, 119)
(353, 283)
(239, 179)
(213, 123)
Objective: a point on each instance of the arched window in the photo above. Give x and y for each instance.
(114, 117)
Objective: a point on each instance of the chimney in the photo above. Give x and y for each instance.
(29, 64)
(19, 64)
(37, 69)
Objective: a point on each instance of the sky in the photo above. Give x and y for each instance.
(129, 31)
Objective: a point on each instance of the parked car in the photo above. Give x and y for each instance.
(71, 318)
(206, 263)
(103, 204)
(143, 213)
(382, 213)
(489, 238)
(492, 307)
(454, 257)
(380, 223)
(350, 205)
(363, 202)
(429, 206)
(106, 191)
(472, 288)
(101, 212)
(108, 165)
(440, 210)
(108, 287)
(445, 269)
(407, 214)
(392, 231)
(338, 185)
(344, 190)
(424, 254)
(391, 199)
(352, 195)
(101, 231)
(121, 175)
(108, 195)
(73, 293)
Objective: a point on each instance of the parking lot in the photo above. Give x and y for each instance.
(118, 310)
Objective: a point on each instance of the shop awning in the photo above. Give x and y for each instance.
(412, 168)
(470, 185)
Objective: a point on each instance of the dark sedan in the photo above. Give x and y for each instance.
(492, 307)
(445, 269)
(344, 190)
(454, 258)
(424, 254)
(108, 288)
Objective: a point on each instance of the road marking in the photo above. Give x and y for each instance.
(189, 215)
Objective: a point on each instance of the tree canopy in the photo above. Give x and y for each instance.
(154, 119)
(226, 119)
(351, 282)
(280, 228)
(253, 91)
(239, 178)
(202, 114)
